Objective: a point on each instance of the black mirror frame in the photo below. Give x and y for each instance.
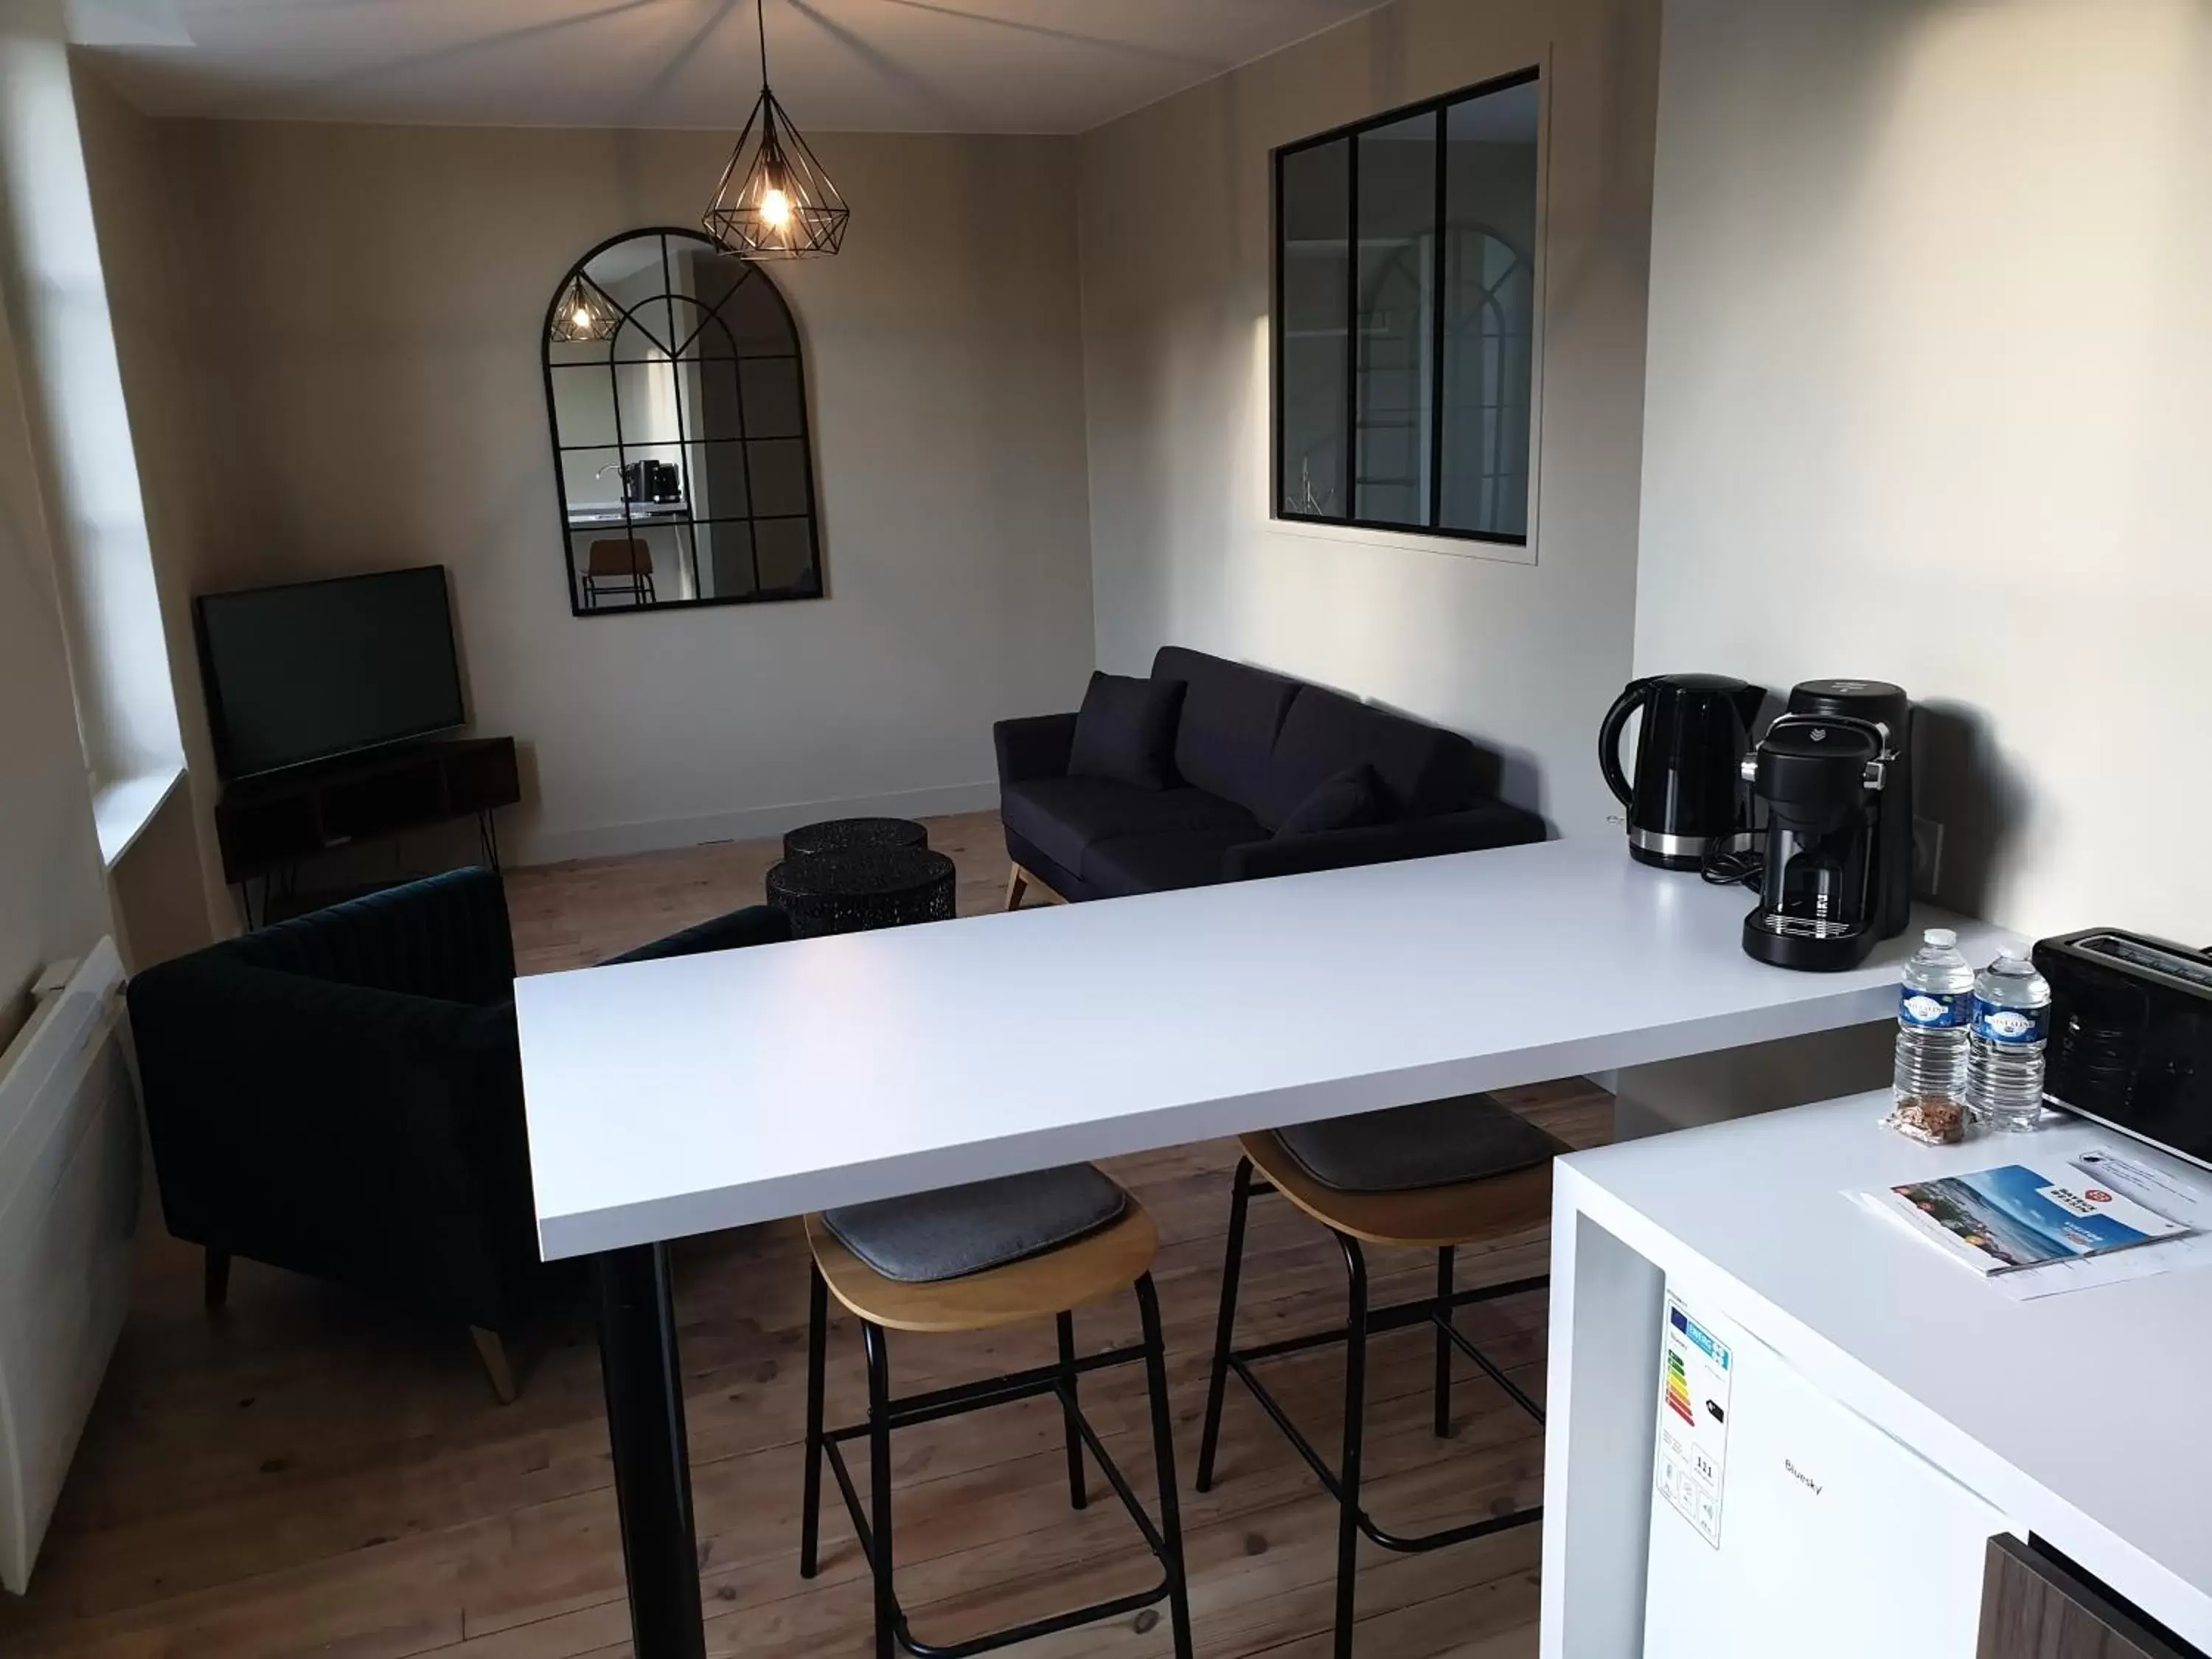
(577, 607)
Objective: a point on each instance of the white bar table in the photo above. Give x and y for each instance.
(2080, 1416)
(678, 1097)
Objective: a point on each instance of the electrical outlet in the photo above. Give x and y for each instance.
(1926, 856)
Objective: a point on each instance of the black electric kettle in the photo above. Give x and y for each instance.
(1689, 794)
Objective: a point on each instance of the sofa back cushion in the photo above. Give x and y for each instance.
(1421, 770)
(1351, 799)
(1126, 730)
(1225, 739)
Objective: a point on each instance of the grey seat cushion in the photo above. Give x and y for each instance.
(1435, 1143)
(958, 1230)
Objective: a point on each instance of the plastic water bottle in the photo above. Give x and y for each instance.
(2012, 1020)
(1935, 1006)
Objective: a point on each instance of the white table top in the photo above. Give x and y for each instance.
(2081, 1416)
(681, 1095)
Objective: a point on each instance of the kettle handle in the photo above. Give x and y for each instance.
(1608, 737)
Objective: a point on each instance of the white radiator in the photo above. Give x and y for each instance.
(68, 1205)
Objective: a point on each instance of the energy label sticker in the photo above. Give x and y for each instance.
(1693, 1409)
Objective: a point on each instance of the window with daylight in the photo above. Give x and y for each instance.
(678, 396)
(1406, 318)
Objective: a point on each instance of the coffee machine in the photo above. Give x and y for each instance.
(651, 481)
(1833, 778)
(1687, 798)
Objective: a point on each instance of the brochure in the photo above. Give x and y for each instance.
(2000, 1220)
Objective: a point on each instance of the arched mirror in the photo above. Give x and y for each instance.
(678, 397)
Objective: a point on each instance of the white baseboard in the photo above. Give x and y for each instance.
(752, 823)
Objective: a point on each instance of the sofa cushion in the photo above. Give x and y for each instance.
(1061, 816)
(1479, 829)
(1126, 730)
(1422, 769)
(926, 1237)
(1163, 863)
(1225, 736)
(1350, 800)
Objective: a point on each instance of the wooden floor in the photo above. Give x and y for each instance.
(309, 1474)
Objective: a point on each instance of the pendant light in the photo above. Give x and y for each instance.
(583, 313)
(775, 202)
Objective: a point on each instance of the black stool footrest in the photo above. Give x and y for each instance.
(1343, 1483)
(1420, 1543)
(872, 1521)
(992, 1394)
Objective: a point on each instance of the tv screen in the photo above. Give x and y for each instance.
(310, 670)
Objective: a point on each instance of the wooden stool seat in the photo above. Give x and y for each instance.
(1099, 1265)
(1117, 1258)
(1424, 1218)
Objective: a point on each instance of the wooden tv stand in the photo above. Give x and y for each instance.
(264, 826)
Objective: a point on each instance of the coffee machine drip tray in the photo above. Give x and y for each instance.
(1820, 927)
(1806, 943)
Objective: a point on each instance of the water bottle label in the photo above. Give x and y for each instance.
(2009, 1027)
(1935, 1011)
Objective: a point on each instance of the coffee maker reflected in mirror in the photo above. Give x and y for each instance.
(1833, 779)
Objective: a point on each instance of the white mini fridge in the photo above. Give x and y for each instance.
(1784, 1523)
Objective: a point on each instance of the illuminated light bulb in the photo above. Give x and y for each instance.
(776, 207)
(582, 318)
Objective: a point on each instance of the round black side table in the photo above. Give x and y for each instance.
(851, 835)
(868, 887)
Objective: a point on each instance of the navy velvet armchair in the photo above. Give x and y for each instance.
(341, 1095)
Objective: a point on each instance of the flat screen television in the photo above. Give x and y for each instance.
(312, 670)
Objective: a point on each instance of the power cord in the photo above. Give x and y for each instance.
(1738, 861)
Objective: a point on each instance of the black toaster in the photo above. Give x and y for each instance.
(2130, 1040)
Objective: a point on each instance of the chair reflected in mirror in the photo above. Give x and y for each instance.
(622, 566)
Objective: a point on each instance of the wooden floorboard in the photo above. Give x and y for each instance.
(308, 1473)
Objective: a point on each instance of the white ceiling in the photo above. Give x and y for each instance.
(868, 65)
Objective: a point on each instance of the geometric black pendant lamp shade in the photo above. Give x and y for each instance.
(585, 314)
(775, 202)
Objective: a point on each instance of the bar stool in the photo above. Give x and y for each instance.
(974, 1258)
(1431, 1176)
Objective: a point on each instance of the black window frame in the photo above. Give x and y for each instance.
(1352, 131)
(811, 516)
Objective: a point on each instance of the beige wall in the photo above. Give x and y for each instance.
(167, 889)
(1176, 297)
(52, 902)
(365, 308)
(1929, 352)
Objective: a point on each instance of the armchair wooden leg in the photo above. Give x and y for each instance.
(492, 1351)
(215, 1278)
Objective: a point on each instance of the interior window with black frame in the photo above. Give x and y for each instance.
(1405, 317)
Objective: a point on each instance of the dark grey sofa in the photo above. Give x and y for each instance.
(1250, 745)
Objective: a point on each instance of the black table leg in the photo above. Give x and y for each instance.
(652, 1473)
